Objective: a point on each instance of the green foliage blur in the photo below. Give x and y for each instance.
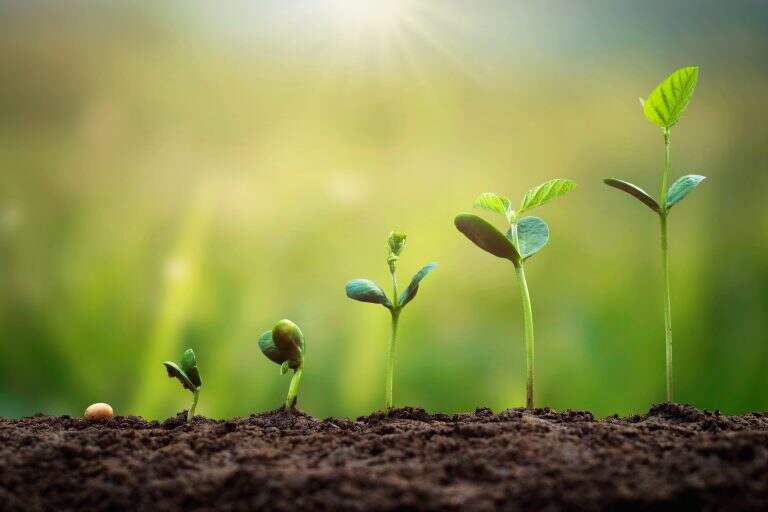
(187, 175)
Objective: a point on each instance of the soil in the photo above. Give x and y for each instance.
(673, 458)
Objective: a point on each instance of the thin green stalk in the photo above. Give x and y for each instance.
(390, 372)
(665, 268)
(191, 411)
(293, 389)
(528, 318)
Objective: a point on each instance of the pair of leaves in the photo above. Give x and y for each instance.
(531, 234)
(365, 290)
(284, 345)
(536, 196)
(667, 102)
(676, 192)
(187, 372)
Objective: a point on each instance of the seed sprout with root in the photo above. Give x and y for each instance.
(284, 345)
(189, 376)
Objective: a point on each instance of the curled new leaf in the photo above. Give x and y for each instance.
(413, 287)
(189, 366)
(175, 372)
(485, 236)
(367, 291)
(635, 191)
(546, 192)
(682, 187)
(495, 203)
(532, 235)
(666, 104)
(396, 243)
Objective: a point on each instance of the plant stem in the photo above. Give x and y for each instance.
(191, 411)
(293, 388)
(390, 371)
(528, 318)
(665, 268)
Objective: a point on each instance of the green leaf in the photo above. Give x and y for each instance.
(682, 187)
(666, 104)
(410, 292)
(367, 291)
(485, 236)
(289, 340)
(495, 203)
(635, 191)
(189, 366)
(269, 349)
(545, 192)
(175, 372)
(532, 235)
(284, 367)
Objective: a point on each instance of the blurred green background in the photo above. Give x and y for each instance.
(184, 174)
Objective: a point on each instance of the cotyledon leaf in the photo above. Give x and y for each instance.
(667, 102)
(269, 349)
(289, 340)
(546, 192)
(365, 290)
(485, 236)
(532, 235)
(635, 191)
(682, 187)
(175, 372)
(494, 203)
(410, 292)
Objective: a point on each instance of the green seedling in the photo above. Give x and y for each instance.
(664, 107)
(524, 237)
(188, 375)
(364, 290)
(284, 345)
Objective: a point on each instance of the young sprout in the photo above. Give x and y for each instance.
(664, 107)
(524, 238)
(368, 291)
(188, 375)
(284, 345)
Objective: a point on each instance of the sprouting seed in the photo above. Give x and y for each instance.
(525, 237)
(189, 376)
(664, 107)
(284, 345)
(364, 290)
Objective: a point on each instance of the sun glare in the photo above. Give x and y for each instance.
(366, 16)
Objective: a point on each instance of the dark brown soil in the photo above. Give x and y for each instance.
(674, 458)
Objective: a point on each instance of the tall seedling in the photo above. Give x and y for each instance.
(525, 237)
(664, 107)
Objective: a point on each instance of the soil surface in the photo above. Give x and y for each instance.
(673, 458)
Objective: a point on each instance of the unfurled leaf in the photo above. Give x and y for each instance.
(175, 372)
(413, 287)
(367, 291)
(396, 243)
(668, 101)
(189, 366)
(532, 235)
(269, 349)
(546, 192)
(495, 203)
(289, 340)
(682, 187)
(485, 236)
(635, 191)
